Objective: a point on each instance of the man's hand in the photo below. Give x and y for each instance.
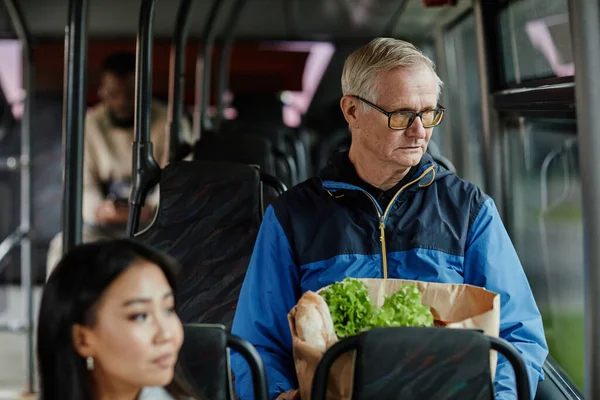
(111, 213)
(291, 395)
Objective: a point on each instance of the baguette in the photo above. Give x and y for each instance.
(313, 321)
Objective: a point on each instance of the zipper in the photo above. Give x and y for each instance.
(383, 218)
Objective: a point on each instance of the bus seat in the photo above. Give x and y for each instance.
(282, 140)
(421, 363)
(208, 219)
(556, 384)
(204, 359)
(244, 149)
(329, 146)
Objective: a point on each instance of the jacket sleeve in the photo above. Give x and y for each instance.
(492, 262)
(270, 290)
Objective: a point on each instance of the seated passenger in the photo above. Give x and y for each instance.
(383, 209)
(107, 326)
(109, 131)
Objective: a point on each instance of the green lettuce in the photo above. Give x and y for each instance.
(350, 306)
(352, 311)
(403, 308)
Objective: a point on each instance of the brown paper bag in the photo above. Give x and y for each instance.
(458, 306)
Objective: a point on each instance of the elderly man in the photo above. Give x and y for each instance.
(383, 210)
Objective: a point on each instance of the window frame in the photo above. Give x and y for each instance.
(543, 97)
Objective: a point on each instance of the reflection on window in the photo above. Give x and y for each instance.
(11, 71)
(547, 230)
(536, 41)
(463, 102)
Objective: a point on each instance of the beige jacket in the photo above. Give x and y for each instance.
(108, 154)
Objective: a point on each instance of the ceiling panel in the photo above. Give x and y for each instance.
(276, 19)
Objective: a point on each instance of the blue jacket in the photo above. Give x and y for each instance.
(437, 228)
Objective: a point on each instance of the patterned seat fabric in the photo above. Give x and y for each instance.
(208, 219)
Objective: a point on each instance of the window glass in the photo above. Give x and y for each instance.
(536, 40)
(11, 75)
(547, 229)
(438, 138)
(463, 119)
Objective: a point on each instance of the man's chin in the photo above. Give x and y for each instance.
(408, 158)
(123, 122)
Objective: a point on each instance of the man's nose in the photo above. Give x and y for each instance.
(416, 129)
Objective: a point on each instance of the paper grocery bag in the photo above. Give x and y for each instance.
(457, 306)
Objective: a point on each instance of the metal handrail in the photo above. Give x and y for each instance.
(177, 80)
(203, 71)
(24, 167)
(145, 170)
(73, 121)
(225, 60)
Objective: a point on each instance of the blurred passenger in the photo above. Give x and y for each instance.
(109, 131)
(108, 327)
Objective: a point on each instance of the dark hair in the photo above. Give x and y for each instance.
(121, 64)
(72, 291)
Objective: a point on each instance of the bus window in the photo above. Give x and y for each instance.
(536, 40)
(547, 229)
(11, 71)
(463, 98)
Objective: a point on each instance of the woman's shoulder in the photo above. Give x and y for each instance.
(155, 393)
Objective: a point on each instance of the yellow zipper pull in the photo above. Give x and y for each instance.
(383, 246)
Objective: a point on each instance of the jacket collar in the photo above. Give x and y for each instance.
(340, 173)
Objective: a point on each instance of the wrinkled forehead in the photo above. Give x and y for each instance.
(406, 85)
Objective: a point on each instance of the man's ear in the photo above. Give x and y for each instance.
(349, 106)
(83, 340)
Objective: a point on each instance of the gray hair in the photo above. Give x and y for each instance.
(380, 55)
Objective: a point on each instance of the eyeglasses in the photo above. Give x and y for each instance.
(400, 120)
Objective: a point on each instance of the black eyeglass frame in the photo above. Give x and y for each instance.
(414, 114)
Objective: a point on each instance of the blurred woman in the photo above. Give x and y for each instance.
(108, 328)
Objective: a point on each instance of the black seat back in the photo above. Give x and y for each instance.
(208, 219)
(245, 149)
(557, 385)
(205, 361)
(420, 363)
(204, 357)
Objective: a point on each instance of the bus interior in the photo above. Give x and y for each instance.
(259, 83)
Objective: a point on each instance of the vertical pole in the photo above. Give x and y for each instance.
(225, 59)
(486, 30)
(585, 31)
(145, 171)
(177, 80)
(203, 71)
(73, 120)
(23, 33)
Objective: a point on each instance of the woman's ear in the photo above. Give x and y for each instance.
(349, 106)
(83, 340)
